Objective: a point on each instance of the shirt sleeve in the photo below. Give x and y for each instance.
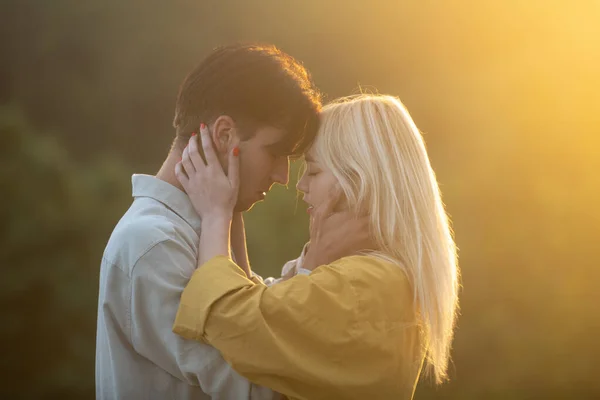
(157, 281)
(292, 337)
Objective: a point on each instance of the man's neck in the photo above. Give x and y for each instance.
(167, 173)
(167, 170)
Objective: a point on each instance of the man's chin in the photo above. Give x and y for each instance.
(244, 206)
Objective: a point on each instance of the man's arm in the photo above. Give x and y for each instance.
(238, 243)
(157, 282)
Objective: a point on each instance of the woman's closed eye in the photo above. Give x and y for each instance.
(311, 172)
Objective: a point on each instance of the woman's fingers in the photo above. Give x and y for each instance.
(194, 153)
(186, 161)
(181, 175)
(207, 185)
(207, 146)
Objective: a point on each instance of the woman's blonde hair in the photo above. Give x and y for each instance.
(372, 146)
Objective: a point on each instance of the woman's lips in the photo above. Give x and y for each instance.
(310, 206)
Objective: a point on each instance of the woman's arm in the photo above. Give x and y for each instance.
(301, 337)
(214, 239)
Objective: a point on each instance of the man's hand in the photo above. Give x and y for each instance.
(238, 243)
(336, 233)
(290, 274)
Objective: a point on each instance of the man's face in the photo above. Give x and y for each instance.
(261, 165)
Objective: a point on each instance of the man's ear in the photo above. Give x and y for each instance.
(224, 133)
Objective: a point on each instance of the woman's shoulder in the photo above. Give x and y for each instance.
(378, 282)
(366, 272)
(371, 266)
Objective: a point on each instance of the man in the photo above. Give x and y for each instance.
(263, 98)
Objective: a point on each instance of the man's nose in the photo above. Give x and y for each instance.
(301, 185)
(282, 171)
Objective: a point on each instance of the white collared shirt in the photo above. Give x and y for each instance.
(291, 268)
(147, 263)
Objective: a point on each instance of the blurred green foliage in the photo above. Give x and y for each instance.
(55, 215)
(507, 94)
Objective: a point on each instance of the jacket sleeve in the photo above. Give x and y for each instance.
(292, 337)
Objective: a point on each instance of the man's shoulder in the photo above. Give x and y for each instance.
(142, 228)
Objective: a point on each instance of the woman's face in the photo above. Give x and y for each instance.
(316, 182)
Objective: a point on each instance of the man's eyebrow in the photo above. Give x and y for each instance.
(281, 147)
(278, 145)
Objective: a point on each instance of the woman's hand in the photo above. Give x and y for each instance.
(212, 192)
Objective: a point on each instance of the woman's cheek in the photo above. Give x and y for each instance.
(317, 193)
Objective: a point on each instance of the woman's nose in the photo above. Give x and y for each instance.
(302, 185)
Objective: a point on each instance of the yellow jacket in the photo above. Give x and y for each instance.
(346, 331)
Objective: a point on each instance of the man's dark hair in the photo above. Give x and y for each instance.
(256, 85)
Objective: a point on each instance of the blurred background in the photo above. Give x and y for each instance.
(507, 94)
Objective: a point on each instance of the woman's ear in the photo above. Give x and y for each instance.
(223, 133)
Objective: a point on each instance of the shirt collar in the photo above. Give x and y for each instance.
(169, 195)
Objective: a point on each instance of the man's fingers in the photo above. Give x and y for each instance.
(327, 208)
(188, 166)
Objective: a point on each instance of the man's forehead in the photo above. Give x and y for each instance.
(280, 141)
(271, 135)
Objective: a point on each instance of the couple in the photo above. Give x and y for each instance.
(372, 297)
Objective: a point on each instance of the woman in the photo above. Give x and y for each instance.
(361, 326)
